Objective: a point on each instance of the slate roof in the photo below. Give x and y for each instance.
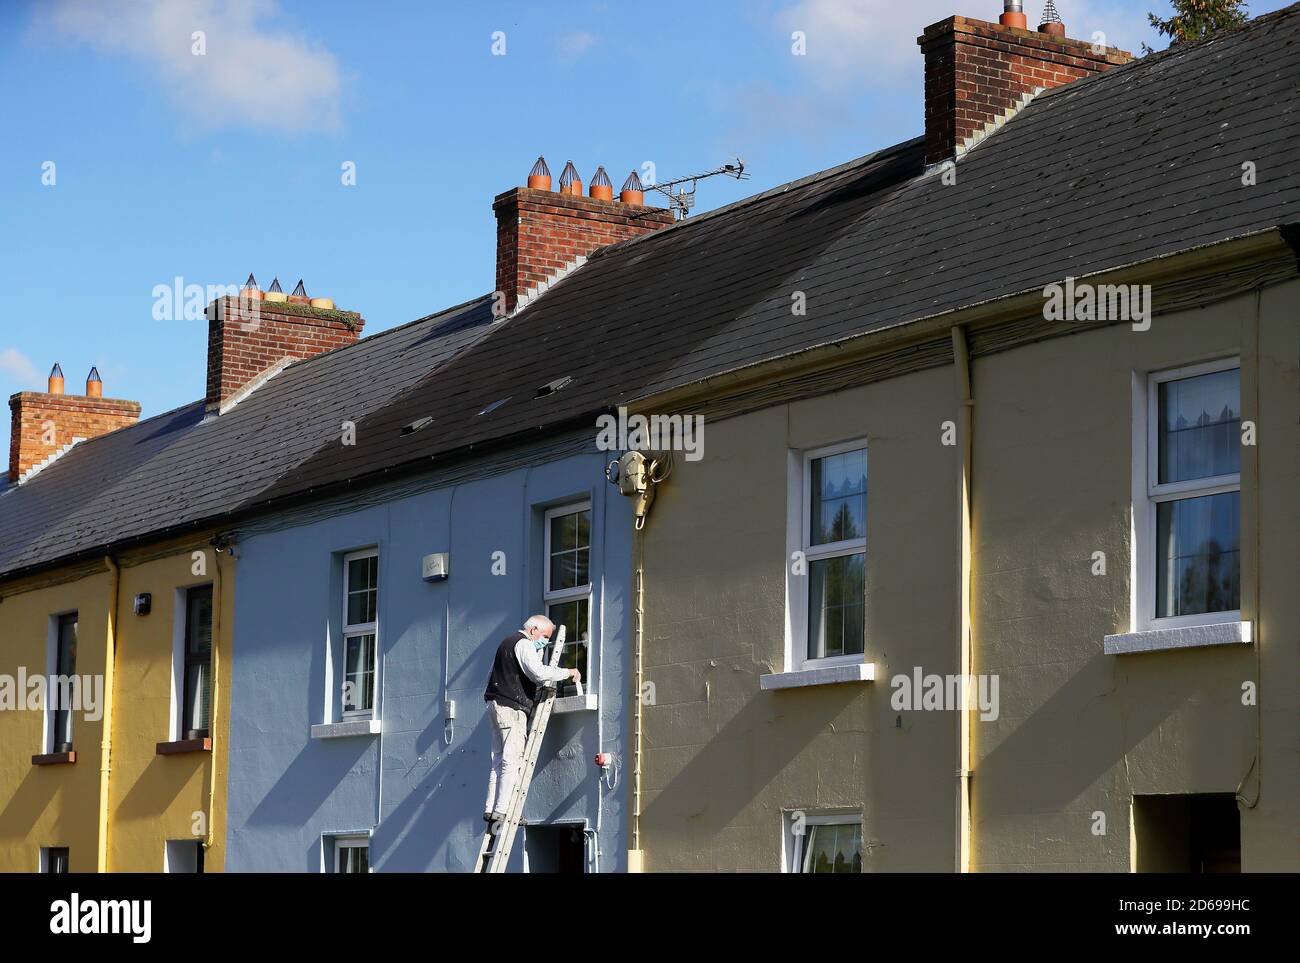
(174, 470)
(1132, 164)
(1138, 162)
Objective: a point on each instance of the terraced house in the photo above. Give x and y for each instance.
(986, 562)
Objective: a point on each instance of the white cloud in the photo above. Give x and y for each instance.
(18, 368)
(251, 75)
(574, 45)
(854, 42)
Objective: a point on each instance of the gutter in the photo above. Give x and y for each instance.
(106, 739)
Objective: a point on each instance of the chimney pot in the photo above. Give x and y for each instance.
(570, 182)
(1051, 22)
(251, 292)
(1013, 15)
(55, 385)
(632, 191)
(601, 189)
(94, 384)
(275, 293)
(299, 295)
(539, 178)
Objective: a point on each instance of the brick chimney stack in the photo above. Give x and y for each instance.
(258, 333)
(45, 422)
(540, 233)
(976, 71)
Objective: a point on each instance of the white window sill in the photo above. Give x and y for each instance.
(1184, 637)
(822, 675)
(574, 703)
(339, 730)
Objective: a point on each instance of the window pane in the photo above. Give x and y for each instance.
(359, 674)
(836, 605)
(354, 859)
(56, 859)
(1200, 426)
(66, 666)
(839, 497)
(833, 849)
(363, 592)
(1198, 557)
(198, 659)
(573, 615)
(570, 551)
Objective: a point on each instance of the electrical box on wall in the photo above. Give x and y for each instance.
(143, 603)
(436, 567)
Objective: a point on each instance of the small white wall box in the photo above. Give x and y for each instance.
(436, 567)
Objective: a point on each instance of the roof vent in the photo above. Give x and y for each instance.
(551, 387)
(494, 406)
(55, 385)
(94, 384)
(417, 425)
(539, 178)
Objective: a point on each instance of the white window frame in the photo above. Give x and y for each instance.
(799, 534)
(793, 850)
(555, 597)
(1148, 493)
(45, 858)
(358, 841)
(361, 628)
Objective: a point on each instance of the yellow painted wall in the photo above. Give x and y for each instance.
(50, 805)
(155, 798)
(152, 798)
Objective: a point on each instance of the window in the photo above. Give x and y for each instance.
(54, 859)
(351, 854)
(828, 600)
(568, 582)
(360, 627)
(1191, 574)
(824, 843)
(65, 667)
(183, 856)
(197, 670)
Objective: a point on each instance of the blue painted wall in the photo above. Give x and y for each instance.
(421, 798)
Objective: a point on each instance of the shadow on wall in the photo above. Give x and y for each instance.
(745, 755)
(1052, 756)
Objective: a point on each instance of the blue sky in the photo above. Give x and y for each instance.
(168, 164)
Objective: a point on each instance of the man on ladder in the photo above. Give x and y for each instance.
(517, 673)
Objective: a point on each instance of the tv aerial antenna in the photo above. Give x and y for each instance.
(680, 191)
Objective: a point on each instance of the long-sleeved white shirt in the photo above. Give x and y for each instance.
(529, 658)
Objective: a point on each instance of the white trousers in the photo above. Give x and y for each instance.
(509, 733)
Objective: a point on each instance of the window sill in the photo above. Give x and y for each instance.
(184, 745)
(574, 703)
(55, 758)
(822, 675)
(341, 730)
(1184, 637)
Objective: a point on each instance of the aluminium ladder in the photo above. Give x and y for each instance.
(494, 852)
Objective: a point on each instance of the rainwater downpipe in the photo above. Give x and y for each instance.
(106, 740)
(638, 632)
(216, 694)
(965, 427)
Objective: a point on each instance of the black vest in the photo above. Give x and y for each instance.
(508, 685)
